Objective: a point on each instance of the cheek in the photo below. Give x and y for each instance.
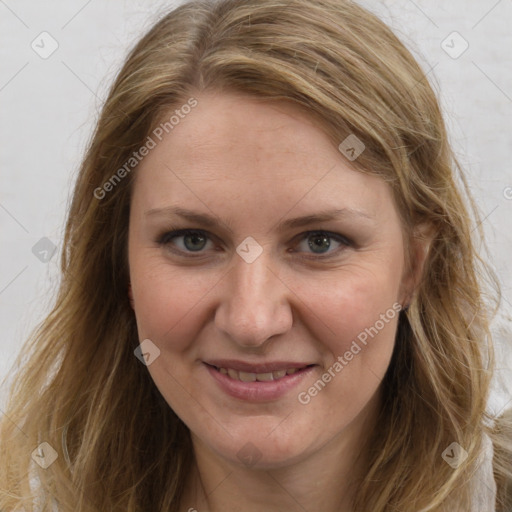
(348, 305)
(356, 319)
(168, 302)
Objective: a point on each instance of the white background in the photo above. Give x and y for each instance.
(48, 108)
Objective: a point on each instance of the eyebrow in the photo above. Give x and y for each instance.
(297, 222)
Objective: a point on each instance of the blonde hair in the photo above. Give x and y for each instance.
(79, 386)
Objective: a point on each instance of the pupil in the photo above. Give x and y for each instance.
(194, 238)
(319, 239)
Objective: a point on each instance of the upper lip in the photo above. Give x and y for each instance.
(243, 366)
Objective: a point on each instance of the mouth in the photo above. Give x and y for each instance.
(270, 376)
(258, 383)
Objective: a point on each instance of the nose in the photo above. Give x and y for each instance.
(255, 303)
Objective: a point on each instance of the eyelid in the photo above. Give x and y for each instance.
(166, 238)
(331, 234)
(180, 232)
(344, 241)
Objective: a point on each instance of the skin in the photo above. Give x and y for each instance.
(251, 164)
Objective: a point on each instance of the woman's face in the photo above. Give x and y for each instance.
(275, 311)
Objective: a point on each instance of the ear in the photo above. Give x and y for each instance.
(419, 247)
(130, 295)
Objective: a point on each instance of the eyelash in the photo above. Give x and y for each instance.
(166, 238)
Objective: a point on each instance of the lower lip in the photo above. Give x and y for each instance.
(258, 391)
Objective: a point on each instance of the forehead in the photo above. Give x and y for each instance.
(233, 126)
(238, 146)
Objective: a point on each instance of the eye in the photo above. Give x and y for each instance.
(186, 240)
(320, 242)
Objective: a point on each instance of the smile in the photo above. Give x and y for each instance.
(260, 377)
(267, 384)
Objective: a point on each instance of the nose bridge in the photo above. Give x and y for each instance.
(253, 283)
(255, 305)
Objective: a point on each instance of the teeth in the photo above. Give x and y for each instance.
(247, 377)
(264, 376)
(260, 377)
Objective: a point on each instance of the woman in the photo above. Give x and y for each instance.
(270, 295)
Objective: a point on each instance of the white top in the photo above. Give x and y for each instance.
(484, 496)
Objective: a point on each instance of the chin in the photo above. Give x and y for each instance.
(260, 447)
